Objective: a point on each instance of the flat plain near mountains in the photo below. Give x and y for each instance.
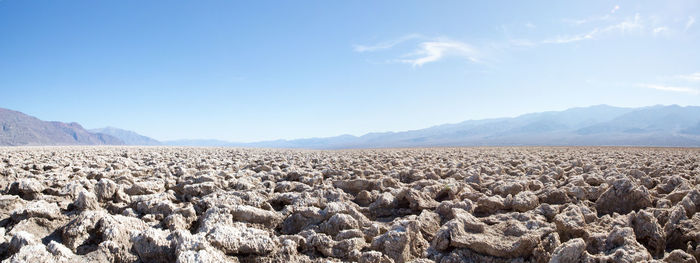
(161, 204)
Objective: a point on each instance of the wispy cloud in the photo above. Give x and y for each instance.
(615, 8)
(591, 19)
(587, 20)
(570, 38)
(386, 44)
(628, 25)
(690, 77)
(687, 90)
(436, 50)
(427, 50)
(689, 23)
(659, 30)
(521, 42)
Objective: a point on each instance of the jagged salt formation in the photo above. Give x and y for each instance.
(128, 204)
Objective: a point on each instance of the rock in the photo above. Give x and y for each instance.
(21, 239)
(570, 251)
(39, 227)
(649, 232)
(41, 209)
(239, 239)
(27, 188)
(349, 249)
(570, 223)
(195, 248)
(255, 215)
(176, 221)
(543, 251)
(508, 188)
(105, 189)
(300, 218)
(59, 250)
(402, 242)
(86, 201)
(489, 204)
(620, 246)
(10, 203)
(81, 229)
(507, 239)
(622, 197)
(417, 201)
(337, 223)
(525, 201)
(153, 245)
(32, 253)
(429, 224)
(553, 195)
(146, 187)
(445, 208)
(680, 230)
(374, 257)
(383, 206)
(678, 256)
(154, 204)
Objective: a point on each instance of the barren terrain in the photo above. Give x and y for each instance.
(159, 204)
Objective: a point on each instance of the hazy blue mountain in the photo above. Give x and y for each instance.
(198, 142)
(17, 129)
(128, 137)
(596, 125)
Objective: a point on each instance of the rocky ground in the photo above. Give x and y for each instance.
(128, 204)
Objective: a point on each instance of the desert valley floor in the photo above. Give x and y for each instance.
(509, 204)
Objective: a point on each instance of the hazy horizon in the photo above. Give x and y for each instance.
(259, 71)
(389, 131)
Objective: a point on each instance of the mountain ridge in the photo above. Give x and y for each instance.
(19, 129)
(128, 137)
(531, 129)
(598, 125)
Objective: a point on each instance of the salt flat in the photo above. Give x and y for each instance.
(522, 204)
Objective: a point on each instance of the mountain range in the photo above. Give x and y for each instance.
(17, 129)
(659, 125)
(128, 137)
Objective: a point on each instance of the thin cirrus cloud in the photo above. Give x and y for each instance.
(660, 30)
(386, 44)
(427, 51)
(591, 19)
(432, 51)
(689, 23)
(690, 77)
(617, 7)
(687, 90)
(629, 25)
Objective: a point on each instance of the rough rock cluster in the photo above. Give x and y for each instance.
(160, 204)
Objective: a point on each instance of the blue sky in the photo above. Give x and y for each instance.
(259, 70)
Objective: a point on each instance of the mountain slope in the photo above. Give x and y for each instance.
(17, 128)
(596, 125)
(128, 137)
(198, 142)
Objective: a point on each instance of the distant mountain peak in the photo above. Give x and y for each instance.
(128, 137)
(20, 129)
(658, 125)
